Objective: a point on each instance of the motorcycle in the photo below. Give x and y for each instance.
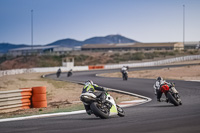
(171, 94)
(69, 74)
(103, 110)
(58, 74)
(125, 75)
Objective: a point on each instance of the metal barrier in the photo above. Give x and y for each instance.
(155, 63)
(24, 98)
(38, 70)
(15, 99)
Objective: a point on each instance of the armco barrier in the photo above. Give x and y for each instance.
(38, 70)
(155, 63)
(15, 99)
(22, 99)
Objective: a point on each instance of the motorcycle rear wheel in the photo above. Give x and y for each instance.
(172, 99)
(125, 77)
(99, 111)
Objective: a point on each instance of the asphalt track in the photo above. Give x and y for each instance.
(151, 117)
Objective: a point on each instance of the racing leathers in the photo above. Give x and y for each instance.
(124, 71)
(157, 86)
(101, 94)
(58, 73)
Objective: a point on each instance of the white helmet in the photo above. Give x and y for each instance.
(89, 82)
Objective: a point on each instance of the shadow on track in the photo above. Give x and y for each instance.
(163, 106)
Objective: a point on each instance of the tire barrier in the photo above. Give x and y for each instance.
(40, 104)
(39, 99)
(24, 98)
(15, 100)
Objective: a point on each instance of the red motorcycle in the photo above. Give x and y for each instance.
(171, 93)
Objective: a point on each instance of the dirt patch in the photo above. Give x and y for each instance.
(61, 96)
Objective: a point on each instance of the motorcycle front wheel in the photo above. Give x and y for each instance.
(121, 112)
(99, 110)
(172, 99)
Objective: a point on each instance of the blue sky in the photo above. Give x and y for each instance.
(141, 20)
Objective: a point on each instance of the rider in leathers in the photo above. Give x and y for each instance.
(157, 85)
(58, 73)
(124, 70)
(90, 87)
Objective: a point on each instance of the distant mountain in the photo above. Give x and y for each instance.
(66, 43)
(94, 40)
(109, 39)
(4, 47)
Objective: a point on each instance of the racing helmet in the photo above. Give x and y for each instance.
(89, 82)
(159, 78)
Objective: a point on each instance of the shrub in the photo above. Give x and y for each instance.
(138, 56)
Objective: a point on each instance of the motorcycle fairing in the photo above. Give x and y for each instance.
(113, 110)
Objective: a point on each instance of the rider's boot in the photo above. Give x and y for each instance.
(167, 100)
(89, 112)
(158, 100)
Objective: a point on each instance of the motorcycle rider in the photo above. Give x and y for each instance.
(69, 73)
(91, 87)
(58, 73)
(124, 70)
(157, 85)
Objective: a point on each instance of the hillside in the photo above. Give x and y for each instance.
(94, 40)
(109, 39)
(4, 47)
(66, 43)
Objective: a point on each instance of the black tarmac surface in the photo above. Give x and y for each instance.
(151, 117)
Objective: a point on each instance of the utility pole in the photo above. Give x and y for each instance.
(32, 30)
(183, 24)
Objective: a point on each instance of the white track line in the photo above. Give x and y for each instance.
(42, 116)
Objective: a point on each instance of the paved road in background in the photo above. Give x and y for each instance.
(151, 117)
